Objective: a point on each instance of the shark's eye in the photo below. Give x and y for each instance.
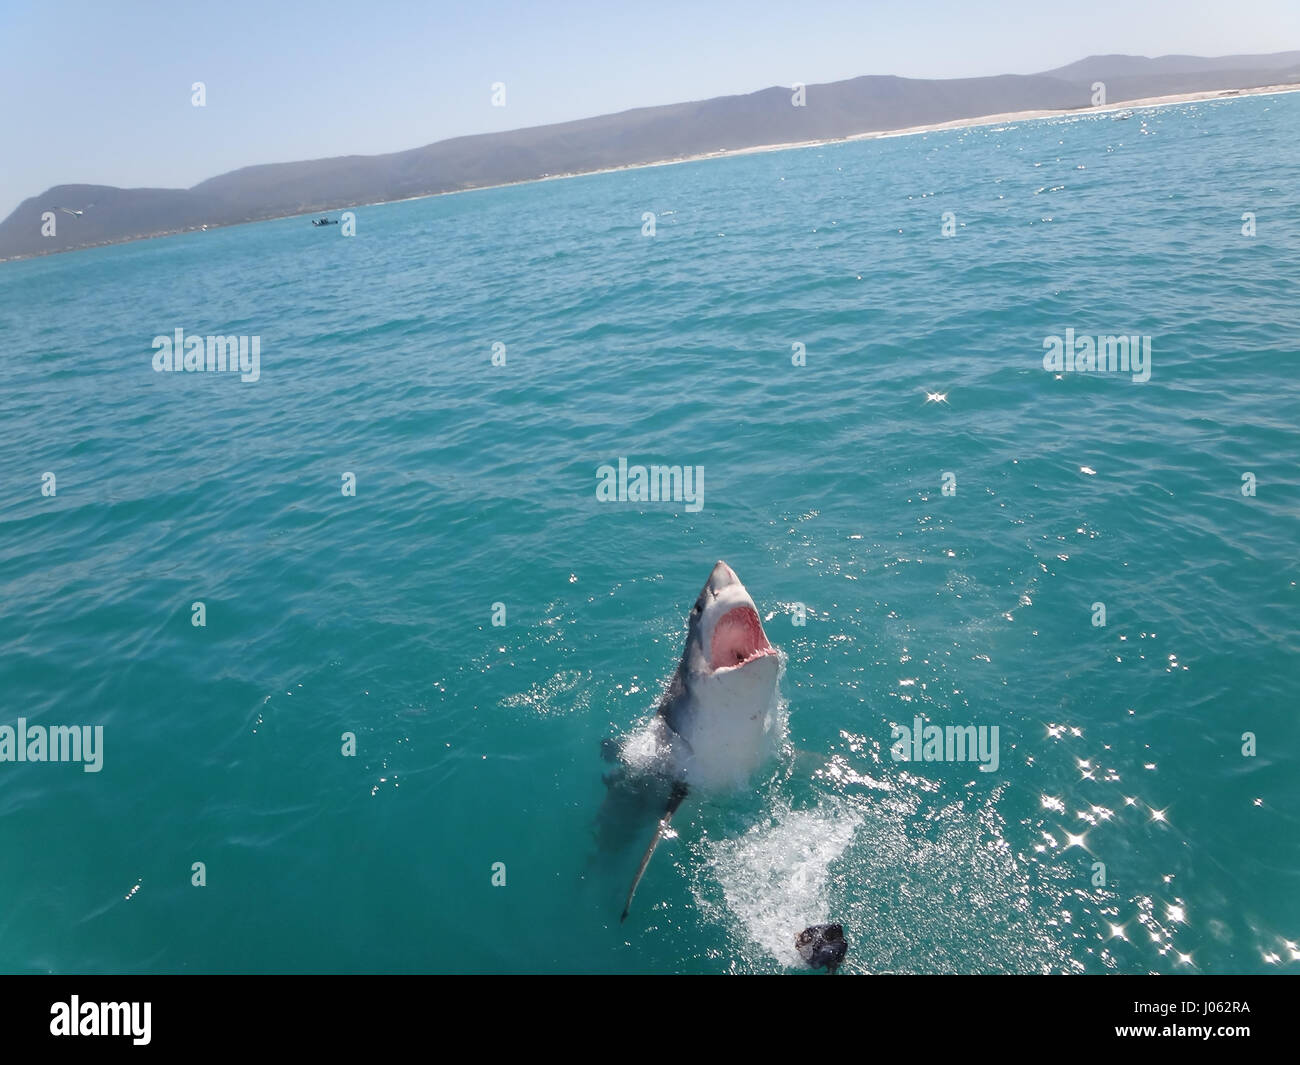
(698, 608)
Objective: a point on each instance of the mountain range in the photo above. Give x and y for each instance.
(644, 135)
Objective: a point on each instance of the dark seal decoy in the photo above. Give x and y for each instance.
(822, 946)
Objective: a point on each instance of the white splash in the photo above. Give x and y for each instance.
(775, 880)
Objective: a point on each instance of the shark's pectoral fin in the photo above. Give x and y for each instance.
(674, 801)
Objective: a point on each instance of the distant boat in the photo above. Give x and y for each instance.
(324, 221)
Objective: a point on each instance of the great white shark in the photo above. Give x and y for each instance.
(713, 727)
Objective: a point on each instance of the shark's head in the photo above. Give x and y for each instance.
(725, 631)
(723, 695)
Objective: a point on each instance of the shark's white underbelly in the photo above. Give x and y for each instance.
(728, 725)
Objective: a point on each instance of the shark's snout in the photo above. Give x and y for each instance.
(722, 577)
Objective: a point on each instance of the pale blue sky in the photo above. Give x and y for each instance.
(99, 92)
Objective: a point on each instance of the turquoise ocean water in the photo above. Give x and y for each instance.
(475, 485)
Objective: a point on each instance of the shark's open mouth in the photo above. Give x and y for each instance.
(738, 638)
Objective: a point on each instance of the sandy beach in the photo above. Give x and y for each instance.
(1000, 119)
(964, 123)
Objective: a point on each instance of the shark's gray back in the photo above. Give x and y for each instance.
(675, 705)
